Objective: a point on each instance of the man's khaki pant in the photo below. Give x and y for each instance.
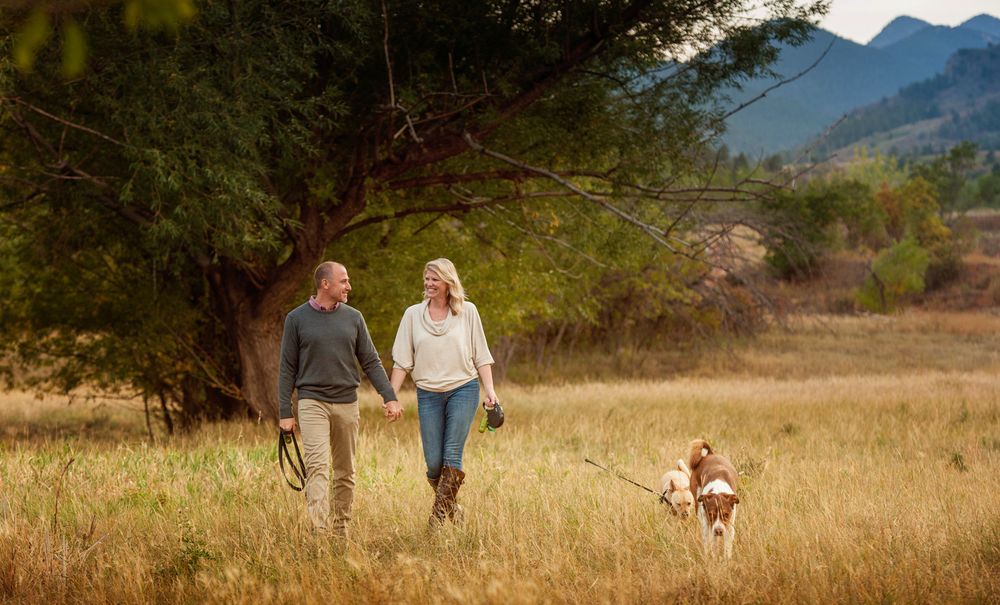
(326, 428)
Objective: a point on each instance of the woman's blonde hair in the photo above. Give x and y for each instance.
(445, 269)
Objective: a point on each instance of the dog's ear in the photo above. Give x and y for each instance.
(734, 499)
(673, 487)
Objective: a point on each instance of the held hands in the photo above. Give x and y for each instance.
(287, 424)
(491, 399)
(393, 410)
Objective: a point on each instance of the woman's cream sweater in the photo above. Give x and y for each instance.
(441, 355)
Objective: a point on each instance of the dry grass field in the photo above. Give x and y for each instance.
(869, 453)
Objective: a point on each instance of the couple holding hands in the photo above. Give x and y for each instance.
(440, 343)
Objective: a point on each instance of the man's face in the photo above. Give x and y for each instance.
(339, 284)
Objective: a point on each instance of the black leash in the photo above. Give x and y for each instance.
(284, 438)
(623, 477)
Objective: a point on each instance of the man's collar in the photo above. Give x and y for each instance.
(319, 307)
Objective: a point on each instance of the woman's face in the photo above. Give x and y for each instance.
(434, 287)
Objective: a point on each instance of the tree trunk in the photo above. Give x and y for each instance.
(259, 348)
(256, 311)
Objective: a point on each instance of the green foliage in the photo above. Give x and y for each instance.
(806, 223)
(987, 190)
(36, 31)
(948, 174)
(897, 271)
(530, 270)
(74, 49)
(190, 558)
(924, 223)
(36, 28)
(157, 14)
(875, 169)
(843, 210)
(183, 187)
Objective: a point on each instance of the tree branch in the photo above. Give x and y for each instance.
(105, 198)
(655, 233)
(550, 238)
(781, 83)
(42, 112)
(464, 205)
(449, 144)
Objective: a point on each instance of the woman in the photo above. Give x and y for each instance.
(440, 342)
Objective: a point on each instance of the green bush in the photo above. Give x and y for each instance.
(806, 224)
(896, 272)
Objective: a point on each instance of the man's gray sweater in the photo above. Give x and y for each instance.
(320, 352)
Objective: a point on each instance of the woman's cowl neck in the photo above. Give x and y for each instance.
(436, 328)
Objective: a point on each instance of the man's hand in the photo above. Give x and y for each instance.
(393, 410)
(287, 424)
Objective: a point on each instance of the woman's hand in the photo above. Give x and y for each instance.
(491, 399)
(393, 411)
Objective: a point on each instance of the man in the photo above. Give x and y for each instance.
(322, 341)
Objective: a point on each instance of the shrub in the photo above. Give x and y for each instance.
(897, 271)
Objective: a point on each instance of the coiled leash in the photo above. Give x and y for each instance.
(662, 497)
(284, 438)
(492, 419)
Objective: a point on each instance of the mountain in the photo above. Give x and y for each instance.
(984, 23)
(850, 76)
(932, 46)
(898, 28)
(961, 104)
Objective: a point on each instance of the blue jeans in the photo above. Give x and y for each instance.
(445, 419)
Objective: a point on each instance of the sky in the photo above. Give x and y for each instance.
(860, 20)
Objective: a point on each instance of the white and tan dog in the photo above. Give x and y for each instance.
(675, 490)
(714, 479)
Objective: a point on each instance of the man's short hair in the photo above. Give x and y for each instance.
(324, 271)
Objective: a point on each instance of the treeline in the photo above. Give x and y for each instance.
(981, 124)
(885, 116)
(970, 75)
(902, 217)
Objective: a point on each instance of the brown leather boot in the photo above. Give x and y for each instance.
(434, 483)
(444, 498)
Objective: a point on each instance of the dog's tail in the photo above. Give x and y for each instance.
(682, 467)
(699, 449)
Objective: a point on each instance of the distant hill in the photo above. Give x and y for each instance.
(850, 76)
(932, 46)
(898, 28)
(963, 103)
(984, 23)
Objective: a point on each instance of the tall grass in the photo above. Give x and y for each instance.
(856, 487)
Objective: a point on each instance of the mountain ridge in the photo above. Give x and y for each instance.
(983, 22)
(850, 76)
(934, 45)
(963, 103)
(897, 29)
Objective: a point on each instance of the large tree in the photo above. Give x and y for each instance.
(161, 212)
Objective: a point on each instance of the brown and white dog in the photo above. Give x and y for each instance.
(714, 479)
(675, 490)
